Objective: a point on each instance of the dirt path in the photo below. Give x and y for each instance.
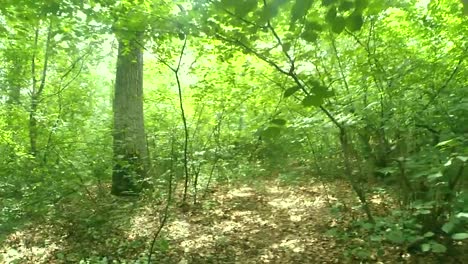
(263, 223)
(272, 224)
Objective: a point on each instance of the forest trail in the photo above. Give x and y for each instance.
(262, 222)
(270, 224)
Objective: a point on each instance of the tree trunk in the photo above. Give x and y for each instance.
(36, 91)
(131, 162)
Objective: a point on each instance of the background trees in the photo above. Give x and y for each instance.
(367, 93)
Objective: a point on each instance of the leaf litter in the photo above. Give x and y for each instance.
(264, 223)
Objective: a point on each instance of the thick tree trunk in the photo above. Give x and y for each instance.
(131, 161)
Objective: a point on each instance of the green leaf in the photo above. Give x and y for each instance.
(322, 91)
(460, 236)
(291, 91)
(429, 234)
(245, 7)
(328, 2)
(163, 245)
(375, 7)
(309, 36)
(448, 227)
(52, 8)
(338, 24)
(367, 226)
(423, 212)
(446, 143)
(360, 5)
(269, 13)
(286, 46)
(448, 163)
(312, 100)
(462, 215)
(313, 83)
(395, 236)
(465, 7)
(313, 25)
(271, 132)
(279, 122)
(425, 247)
(438, 248)
(300, 9)
(346, 5)
(331, 15)
(354, 21)
(435, 175)
(60, 256)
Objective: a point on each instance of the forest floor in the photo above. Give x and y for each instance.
(262, 222)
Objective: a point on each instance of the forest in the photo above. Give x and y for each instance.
(234, 131)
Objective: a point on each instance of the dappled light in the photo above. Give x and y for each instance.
(241, 192)
(233, 131)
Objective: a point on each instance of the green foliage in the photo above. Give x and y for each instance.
(354, 21)
(290, 91)
(312, 100)
(372, 93)
(300, 9)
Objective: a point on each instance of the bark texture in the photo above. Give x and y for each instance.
(130, 151)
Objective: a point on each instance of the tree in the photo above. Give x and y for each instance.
(130, 150)
(131, 161)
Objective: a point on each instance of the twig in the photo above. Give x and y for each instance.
(165, 216)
